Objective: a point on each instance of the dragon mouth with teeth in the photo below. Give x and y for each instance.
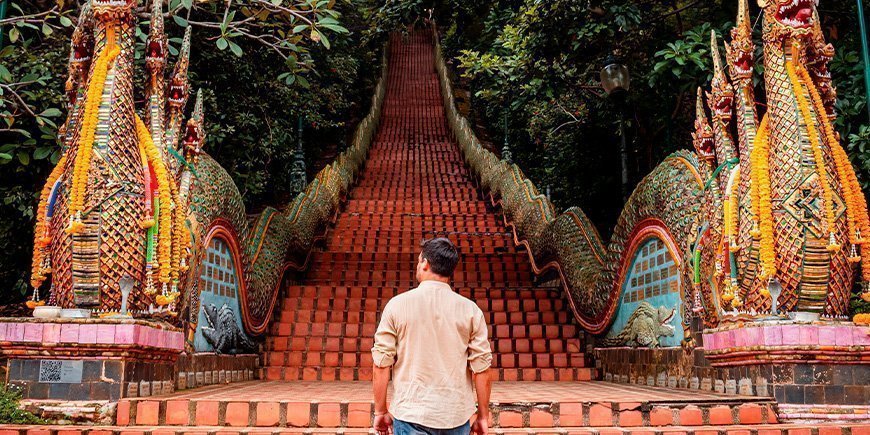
(706, 144)
(177, 93)
(797, 14)
(743, 64)
(722, 106)
(192, 138)
(154, 52)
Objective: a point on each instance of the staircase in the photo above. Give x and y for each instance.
(415, 186)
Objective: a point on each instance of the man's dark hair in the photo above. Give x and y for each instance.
(441, 255)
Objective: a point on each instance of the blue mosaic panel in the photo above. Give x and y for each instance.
(219, 285)
(653, 277)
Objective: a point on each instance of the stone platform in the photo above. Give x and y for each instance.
(582, 408)
(514, 405)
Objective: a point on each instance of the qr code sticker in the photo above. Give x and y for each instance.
(50, 370)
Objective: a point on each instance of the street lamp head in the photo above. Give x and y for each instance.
(614, 76)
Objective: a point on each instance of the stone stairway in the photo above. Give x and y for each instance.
(415, 186)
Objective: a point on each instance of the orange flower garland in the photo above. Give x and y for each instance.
(761, 201)
(41, 238)
(856, 204)
(85, 144)
(164, 224)
(818, 156)
(177, 234)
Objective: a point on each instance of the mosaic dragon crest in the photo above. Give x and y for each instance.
(135, 194)
(770, 221)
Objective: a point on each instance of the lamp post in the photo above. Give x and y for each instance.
(297, 172)
(506, 149)
(616, 81)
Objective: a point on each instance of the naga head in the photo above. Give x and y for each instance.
(722, 94)
(178, 84)
(194, 135)
(81, 52)
(702, 137)
(790, 18)
(114, 10)
(819, 55)
(740, 52)
(155, 50)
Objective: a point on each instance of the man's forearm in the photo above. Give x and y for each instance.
(483, 386)
(380, 381)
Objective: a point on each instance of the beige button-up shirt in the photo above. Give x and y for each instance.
(434, 339)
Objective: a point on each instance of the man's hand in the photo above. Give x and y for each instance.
(383, 424)
(480, 425)
(483, 386)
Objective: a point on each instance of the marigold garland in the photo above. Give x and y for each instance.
(761, 201)
(84, 147)
(41, 237)
(177, 231)
(856, 204)
(164, 235)
(818, 156)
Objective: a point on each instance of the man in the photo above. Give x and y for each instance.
(433, 340)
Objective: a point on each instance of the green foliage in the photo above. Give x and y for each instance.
(10, 413)
(859, 152)
(538, 63)
(686, 61)
(262, 64)
(858, 305)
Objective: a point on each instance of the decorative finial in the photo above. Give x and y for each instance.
(718, 71)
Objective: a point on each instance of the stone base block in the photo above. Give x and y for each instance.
(77, 368)
(787, 342)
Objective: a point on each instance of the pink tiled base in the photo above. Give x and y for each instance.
(91, 332)
(806, 339)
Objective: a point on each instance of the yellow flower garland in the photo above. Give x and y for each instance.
(731, 210)
(177, 230)
(761, 201)
(755, 199)
(818, 156)
(856, 204)
(41, 238)
(164, 238)
(85, 144)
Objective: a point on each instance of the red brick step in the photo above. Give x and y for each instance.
(764, 429)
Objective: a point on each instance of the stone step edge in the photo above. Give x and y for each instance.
(243, 413)
(765, 429)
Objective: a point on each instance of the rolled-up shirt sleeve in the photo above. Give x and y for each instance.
(479, 351)
(384, 350)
